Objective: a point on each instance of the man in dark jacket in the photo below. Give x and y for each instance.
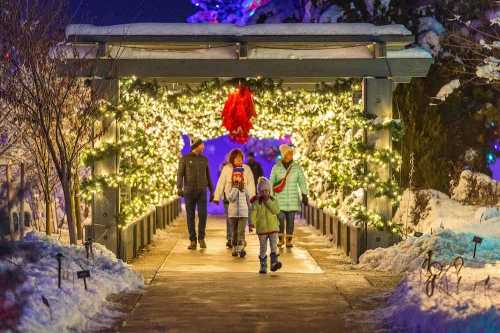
(193, 178)
(255, 166)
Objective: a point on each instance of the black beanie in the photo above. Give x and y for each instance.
(195, 143)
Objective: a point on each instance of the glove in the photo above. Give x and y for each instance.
(180, 193)
(305, 200)
(211, 197)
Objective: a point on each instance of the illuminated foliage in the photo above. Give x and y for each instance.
(326, 124)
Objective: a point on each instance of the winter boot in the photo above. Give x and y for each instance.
(275, 264)
(263, 265)
(192, 246)
(289, 241)
(241, 249)
(203, 245)
(281, 241)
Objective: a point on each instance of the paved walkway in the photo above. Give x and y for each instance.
(211, 291)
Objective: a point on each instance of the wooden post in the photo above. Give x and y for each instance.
(377, 97)
(105, 205)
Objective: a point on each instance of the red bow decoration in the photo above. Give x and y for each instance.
(237, 114)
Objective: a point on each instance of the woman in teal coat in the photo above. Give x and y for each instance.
(289, 188)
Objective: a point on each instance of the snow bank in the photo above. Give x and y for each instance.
(71, 308)
(409, 254)
(429, 211)
(476, 188)
(475, 308)
(465, 302)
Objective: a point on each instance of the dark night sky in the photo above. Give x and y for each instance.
(107, 12)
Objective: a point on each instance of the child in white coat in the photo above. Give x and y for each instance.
(239, 204)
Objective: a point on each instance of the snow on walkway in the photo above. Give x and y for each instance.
(46, 308)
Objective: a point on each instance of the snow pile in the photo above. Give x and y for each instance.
(45, 307)
(465, 299)
(476, 188)
(429, 211)
(409, 254)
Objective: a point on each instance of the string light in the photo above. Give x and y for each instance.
(327, 128)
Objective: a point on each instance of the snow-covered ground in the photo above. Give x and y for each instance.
(465, 299)
(36, 304)
(471, 304)
(429, 211)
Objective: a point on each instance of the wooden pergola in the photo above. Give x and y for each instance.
(296, 53)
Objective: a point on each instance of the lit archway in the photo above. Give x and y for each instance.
(327, 124)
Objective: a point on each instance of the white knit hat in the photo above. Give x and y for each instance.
(263, 184)
(284, 148)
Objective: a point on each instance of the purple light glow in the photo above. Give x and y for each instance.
(216, 151)
(495, 169)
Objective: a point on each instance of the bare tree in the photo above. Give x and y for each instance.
(9, 133)
(42, 167)
(60, 110)
(477, 49)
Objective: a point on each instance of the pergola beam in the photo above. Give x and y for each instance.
(272, 68)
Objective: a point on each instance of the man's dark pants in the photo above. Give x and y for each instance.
(193, 200)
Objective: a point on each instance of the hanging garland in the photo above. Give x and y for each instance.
(325, 125)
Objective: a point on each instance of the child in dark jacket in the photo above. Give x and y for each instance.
(264, 215)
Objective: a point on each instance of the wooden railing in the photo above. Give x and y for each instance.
(135, 236)
(353, 240)
(350, 239)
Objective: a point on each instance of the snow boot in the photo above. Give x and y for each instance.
(192, 246)
(263, 265)
(289, 241)
(203, 245)
(241, 249)
(275, 264)
(281, 241)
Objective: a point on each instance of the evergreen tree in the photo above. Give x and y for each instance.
(437, 133)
